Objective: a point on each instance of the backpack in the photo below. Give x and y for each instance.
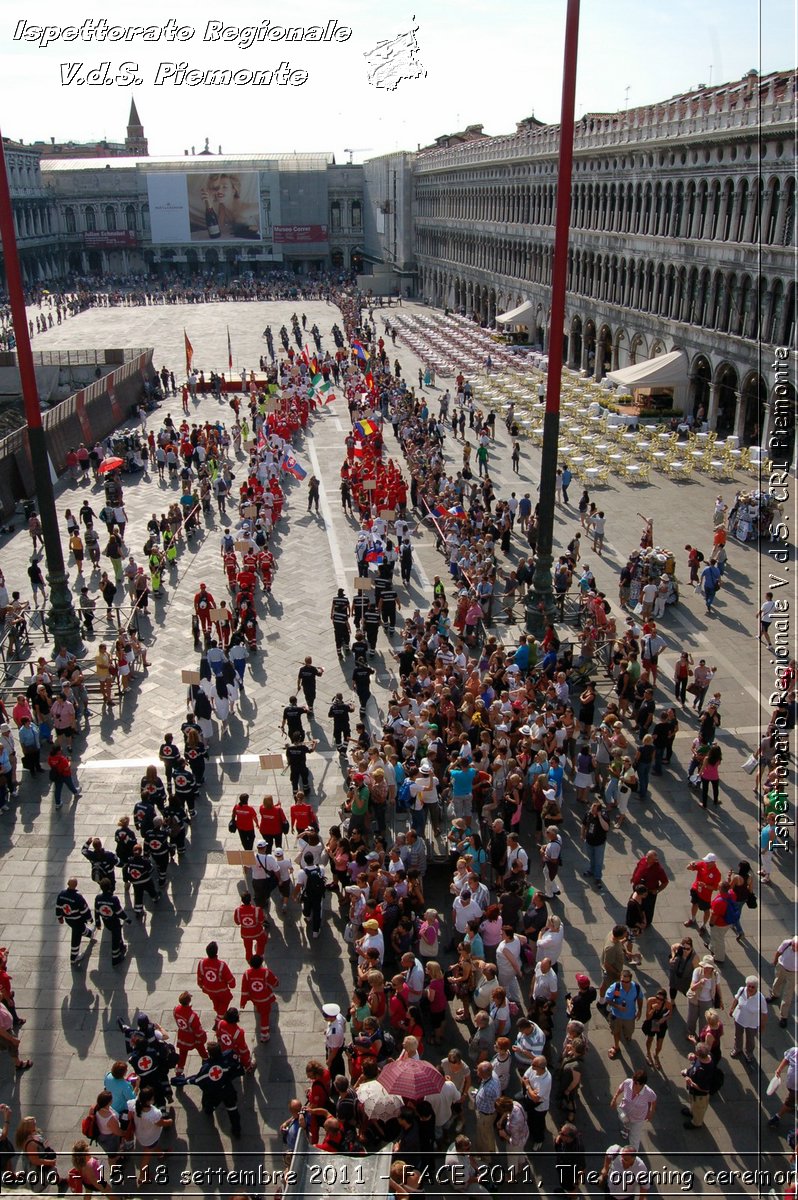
(88, 1126)
(716, 1083)
(699, 556)
(403, 798)
(315, 886)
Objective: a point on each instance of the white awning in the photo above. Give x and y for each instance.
(518, 316)
(666, 370)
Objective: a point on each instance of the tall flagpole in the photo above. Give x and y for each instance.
(540, 606)
(61, 619)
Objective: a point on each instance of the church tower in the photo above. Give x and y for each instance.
(135, 142)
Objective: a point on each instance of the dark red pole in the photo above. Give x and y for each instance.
(541, 608)
(61, 619)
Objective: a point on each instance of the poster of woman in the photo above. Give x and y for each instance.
(223, 206)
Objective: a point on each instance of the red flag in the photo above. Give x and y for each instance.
(229, 350)
(189, 353)
(370, 381)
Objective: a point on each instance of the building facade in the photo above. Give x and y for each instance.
(682, 237)
(88, 215)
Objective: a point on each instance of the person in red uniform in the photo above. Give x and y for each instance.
(302, 814)
(251, 920)
(203, 603)
(245, 819)
(215, 979)
(247, 580)
(272, 822)
(257, 984)
(190, 1034)
(231, 1036)
(707, 881)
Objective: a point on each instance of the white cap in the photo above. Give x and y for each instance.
(331, 1010)
(710, 858)
(279, 852)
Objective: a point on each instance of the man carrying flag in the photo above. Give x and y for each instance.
(292, 467)
(189, 353)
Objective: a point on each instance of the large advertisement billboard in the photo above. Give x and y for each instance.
(204, 206)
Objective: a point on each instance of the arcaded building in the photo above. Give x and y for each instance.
(682, 237)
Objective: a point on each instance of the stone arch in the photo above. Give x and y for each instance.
(638, 351)
(700, 381)
(727, 384)
(753, 403)
(575, 343)
(603, 351)
(620, 350)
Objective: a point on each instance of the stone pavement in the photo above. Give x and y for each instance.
(71, 1031)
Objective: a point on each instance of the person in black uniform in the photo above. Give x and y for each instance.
(71, 909)
(296, 752)
(359, 607)
(124, 840)
(139, 873)
(144, 814)
(152, 786)
(339, 615)
(215, 1080)
(389, 602)
(291, 723)
(406, 562)
(306, 680)
(361, 682)
(169, 756)
(156, 844)
(371, 625)
(102, 861)
(185, 785)
(340, 712)
(110, 912)
(150, 1058)
(175, 824)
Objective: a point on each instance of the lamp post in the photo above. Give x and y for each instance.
(540, 606)
(61, 619)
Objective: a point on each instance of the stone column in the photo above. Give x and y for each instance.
(712, 411)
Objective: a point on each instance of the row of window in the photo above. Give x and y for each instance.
(338, 209)
(748, 211)
(88, 218)
(727, 301)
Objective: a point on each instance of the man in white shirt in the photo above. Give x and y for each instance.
(635, 1103)
(545, 984)
(785, 985)
(442, 1103)
(537, 1099)
(462, 1167)
(464, 909)
(750, 1012)
(413, 972)
(516, 853)
(625, 1174)
(334, 1038)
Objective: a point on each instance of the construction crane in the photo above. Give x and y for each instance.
(356, 150)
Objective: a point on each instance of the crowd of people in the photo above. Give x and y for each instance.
(498, 753)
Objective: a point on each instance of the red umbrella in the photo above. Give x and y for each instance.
(110, 464)
(412, 1078)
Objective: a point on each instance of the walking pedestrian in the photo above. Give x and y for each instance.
(72, 909)
(109, 912)
(750, 1012)
(636, 1103)
(785, 984)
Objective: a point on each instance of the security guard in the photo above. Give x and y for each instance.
(388, 604)
(156, 844)
(339, 615)
(340, 712)
(371, 626)
(185, 793)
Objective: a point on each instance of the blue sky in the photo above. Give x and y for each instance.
(487, 63)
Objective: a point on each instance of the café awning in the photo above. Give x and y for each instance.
(666, 370)
(518, 316)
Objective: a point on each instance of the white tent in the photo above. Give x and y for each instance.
(518, 316)
(666, 370)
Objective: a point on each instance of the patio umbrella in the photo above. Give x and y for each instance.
(110, 464)
(378, 1103)
(412, 1078)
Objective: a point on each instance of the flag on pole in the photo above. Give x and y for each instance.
(292, 467)
(229, 350)
(328, 399)
(365, 428)
(370, 381)
(374, 556)
(317, 380)
(457, 510)
(189, 353)
(359, 350)
(326, 386)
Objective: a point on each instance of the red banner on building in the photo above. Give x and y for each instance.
(283, 234)
(110, 240)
